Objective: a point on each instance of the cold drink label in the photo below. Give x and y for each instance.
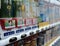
(28, 21)
(35, 21)
(9, 23)
(20, 22)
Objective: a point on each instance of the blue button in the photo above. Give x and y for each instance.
(6, 34)
(12, 32)
(34, 27)
(28, 28)
(18, 31)
(9, 33)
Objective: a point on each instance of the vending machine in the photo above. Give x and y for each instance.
(16, 20)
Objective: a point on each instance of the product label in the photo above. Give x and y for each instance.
(43, 17)
(35, 21)
(28, 21)
(9, 23)
(20, 22)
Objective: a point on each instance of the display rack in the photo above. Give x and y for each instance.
(30, 20)
(24, 34)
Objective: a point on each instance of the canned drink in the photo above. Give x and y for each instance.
(20, 22)
(28, 21)
(35, 21)
(7, 8)
(8, 23)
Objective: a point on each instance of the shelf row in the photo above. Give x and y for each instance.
(25, 34)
